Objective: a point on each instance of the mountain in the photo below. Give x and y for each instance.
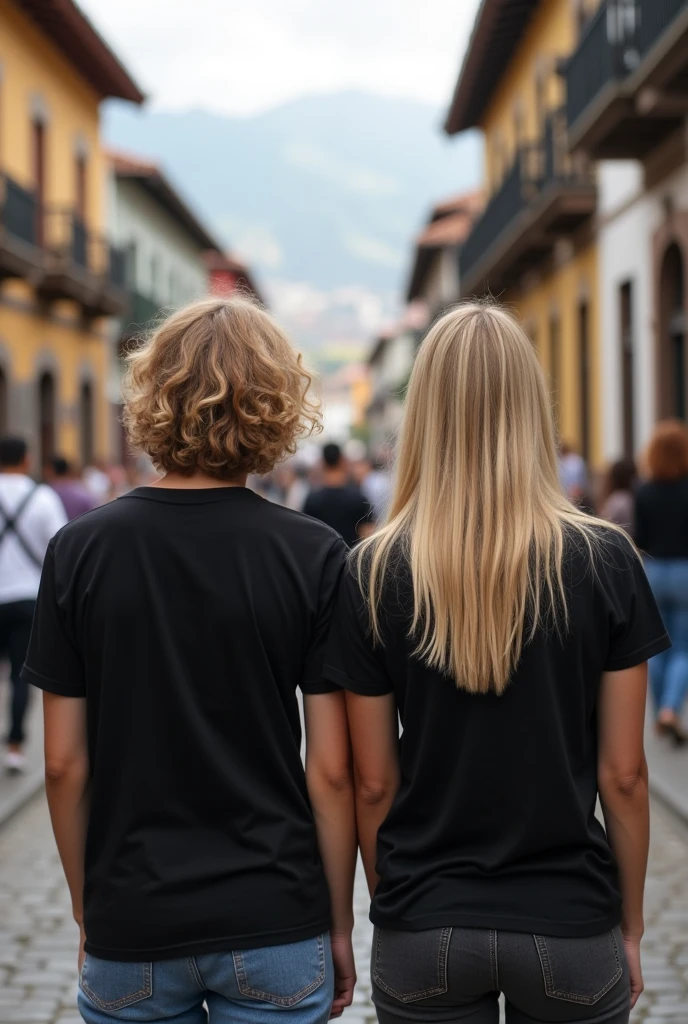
(322, 195)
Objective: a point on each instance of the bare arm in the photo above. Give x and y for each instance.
(374, 730)
(623, 787)
(330, 787)
(66, 785)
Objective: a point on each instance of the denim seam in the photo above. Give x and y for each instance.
(572, 997)
(442, 967)
(268, 997)
(195, 972)
(118, 1004)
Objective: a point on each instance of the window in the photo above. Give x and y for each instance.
(86, 423)
(555, 364)
(584, 377)
(3, 402)
(38, 162)
(627, 370)
(80, 167)
(46, 417)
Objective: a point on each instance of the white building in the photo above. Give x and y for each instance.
(166, 251)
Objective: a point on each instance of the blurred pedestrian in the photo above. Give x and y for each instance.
(510, 633)
(297, 486)
(661, 532)
(97, 481)
(63, 479)
(619, 501)
(338, 502)
(172, 630)
(373, 480)
(30, 514)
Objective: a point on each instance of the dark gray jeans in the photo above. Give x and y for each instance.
(451, 975)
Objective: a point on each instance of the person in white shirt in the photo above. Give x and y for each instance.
(30, 515)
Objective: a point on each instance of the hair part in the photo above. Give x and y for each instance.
(667, 452)
(218, 388)
(477, 509)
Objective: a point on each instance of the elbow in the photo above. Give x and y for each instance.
(623, 785)
(329, 780)
(59, 771)
(374, 792)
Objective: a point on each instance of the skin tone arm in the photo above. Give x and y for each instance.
(66, 785)
(374, 730)
(623, 788)
(331, 790)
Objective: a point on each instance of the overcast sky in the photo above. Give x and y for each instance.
(245, 56)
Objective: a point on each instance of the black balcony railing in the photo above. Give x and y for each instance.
(614, 43)
(504, 206)
(142, 310)
(18, 211)
(79, 242)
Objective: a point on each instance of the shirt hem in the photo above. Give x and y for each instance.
(29, 675)
(497, 922)
(223, 944)
(355, 686)
(639, 655)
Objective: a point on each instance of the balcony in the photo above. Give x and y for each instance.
(545, 196)
(627, 82)
(81, 266)
(20, 255)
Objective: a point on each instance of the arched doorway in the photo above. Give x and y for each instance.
(86, 421)
(46, 418)
(673, 333)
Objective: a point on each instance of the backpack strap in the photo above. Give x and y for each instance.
(10, 527)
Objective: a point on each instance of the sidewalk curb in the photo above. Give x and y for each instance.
(26, 789)
(667, 795)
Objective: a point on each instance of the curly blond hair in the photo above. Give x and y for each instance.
(218, 388)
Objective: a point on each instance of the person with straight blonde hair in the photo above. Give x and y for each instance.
(172, 630)
(510, 633)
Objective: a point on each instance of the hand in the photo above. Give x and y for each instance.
(632, 947)
(82, 953)
(344, 973)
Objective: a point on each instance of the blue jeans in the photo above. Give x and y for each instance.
(669, 670)
(294, 983)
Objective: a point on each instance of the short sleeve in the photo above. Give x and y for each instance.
(637, 632)
(53, 662)
(313, 680)
(353, 660)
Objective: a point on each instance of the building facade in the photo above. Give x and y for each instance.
(61, 276)
(535, 245)
(165, 249)
(434, 279)
(627, 101)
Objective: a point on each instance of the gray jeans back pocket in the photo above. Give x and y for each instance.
(579, 970)
(410, 966)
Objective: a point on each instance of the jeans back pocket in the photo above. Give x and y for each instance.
(410, 966)
(113, 985)
(579, 970)
(282, 975)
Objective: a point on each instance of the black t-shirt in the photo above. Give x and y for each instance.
(342, 508)
(494, 823)
(661, 518)
(188, 618)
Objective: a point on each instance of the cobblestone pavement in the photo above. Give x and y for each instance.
(38, 938)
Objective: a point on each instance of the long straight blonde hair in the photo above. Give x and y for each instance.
(477, 507)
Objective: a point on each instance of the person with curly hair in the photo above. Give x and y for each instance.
(172, 631)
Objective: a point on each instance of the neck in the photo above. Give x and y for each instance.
(334, 477)
(180, 481)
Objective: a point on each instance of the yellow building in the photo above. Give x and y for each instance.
(60, 277)
(534, 247)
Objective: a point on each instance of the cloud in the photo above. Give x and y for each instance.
(240, 58)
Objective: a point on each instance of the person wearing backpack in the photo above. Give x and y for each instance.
(30, 515)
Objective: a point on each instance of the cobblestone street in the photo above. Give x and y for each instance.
(38, 938)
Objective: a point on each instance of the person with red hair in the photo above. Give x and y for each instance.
(661, 532)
